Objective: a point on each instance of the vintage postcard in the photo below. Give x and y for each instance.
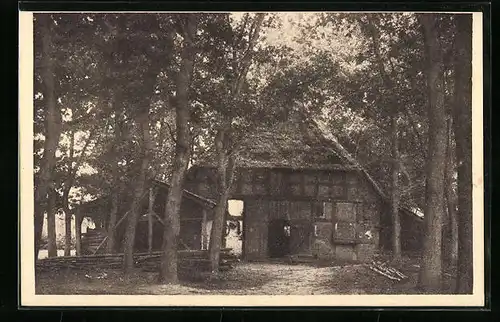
(251, 159)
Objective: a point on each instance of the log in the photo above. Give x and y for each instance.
(387, 271)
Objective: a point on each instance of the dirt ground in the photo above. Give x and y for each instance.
(244, 279)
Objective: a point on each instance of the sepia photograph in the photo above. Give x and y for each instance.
(251, 159)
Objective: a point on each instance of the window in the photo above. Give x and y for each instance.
(258, 176)
(319, 209)
(309, 179)
(295, 178)
(346, 211)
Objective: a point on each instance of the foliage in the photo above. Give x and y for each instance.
(353, 71)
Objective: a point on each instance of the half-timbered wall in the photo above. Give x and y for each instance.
(336, 208)
(274, 183)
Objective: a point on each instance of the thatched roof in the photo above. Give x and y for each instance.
(285, 145)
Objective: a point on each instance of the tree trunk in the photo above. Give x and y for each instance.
(67, 234)
(51, 225)
(113, 214)
(68, 184)
(226, 158)
(395, 192)
(217, 233)
(52, 132)
(168, 267)
(135, 210)
(430, 272)
(38, 229)
(451, 201)
(204, 236)
(395, 187)
(225, 171)
(225, 228)
(78, 233)
(115, 190)
(67, 189)
(462, 120)
(150, 219)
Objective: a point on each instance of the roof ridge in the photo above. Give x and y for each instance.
(320, 127)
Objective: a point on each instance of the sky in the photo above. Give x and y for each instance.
(235, 207)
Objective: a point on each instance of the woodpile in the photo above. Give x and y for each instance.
(92, 240)
(189, 261)
(387, 271)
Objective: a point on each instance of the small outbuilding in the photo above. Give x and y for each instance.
(195, 212)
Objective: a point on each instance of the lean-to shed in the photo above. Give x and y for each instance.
(195, 212)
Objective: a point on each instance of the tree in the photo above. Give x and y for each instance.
(462, 122)
(395, 187)
(187, 24)
(115, 193)
(142, 81)
(430, 273)
(52, 128)
(225, 139)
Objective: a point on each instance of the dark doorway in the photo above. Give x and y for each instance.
(300, 237)
(279, 238)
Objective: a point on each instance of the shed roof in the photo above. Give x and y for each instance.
(98, 203)
(189, 195)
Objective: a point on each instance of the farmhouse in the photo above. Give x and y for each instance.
(301, 194)
(304, 196)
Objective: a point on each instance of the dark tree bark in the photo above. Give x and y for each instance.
(462, 120)
(150, 219)
(204, 233)
(52, 129)
(430, 272)
(451, 201)
(51, 224)
(111, 242)
(67, 234)
(129, 239)
(168, 267)
(66, 191)
(225, 171)
(78, 233)
(116, 189)
(395, 192)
